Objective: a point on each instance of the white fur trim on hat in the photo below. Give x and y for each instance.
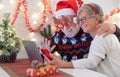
(65, 11)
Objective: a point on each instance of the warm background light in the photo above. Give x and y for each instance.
(12, 2)
(31, 16)
(1, 6)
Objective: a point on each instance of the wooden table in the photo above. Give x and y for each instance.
(18, 69)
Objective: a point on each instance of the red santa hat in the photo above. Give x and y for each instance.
(67, 7)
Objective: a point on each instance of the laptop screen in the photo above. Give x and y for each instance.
(32, 51)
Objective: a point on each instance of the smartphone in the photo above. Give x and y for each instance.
(47, 53)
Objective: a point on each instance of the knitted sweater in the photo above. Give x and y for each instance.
(72, 48)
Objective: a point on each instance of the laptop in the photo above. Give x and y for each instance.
(32, 51)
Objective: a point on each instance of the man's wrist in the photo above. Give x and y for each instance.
(117, 32)
(115, 28)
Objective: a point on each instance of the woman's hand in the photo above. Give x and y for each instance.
(105, 29)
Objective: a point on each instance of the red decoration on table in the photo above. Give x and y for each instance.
(19, 68)
(42, 71)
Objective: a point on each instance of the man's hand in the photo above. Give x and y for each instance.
(55, 61)
(45, 43)
(105, 29)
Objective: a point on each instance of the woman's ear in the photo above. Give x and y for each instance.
(97, 18)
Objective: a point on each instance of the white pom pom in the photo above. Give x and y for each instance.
(75, 20)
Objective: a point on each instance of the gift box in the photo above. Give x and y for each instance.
(42, 71)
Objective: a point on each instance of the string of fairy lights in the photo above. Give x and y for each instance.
(21, 6)
(38, 19)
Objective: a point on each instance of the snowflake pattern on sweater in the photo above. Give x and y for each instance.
(72, 48)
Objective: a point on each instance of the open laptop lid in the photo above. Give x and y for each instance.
(32, 51)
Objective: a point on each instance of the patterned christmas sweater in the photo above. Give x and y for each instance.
(73, 48)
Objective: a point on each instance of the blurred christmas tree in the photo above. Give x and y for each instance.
(9, 41)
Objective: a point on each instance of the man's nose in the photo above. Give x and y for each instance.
(66, 27)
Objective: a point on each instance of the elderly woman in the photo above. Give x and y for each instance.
(104, 52)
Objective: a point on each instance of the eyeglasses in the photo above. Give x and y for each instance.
(84, 19)
(64, 21)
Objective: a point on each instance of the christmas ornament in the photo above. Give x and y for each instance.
(22, 7)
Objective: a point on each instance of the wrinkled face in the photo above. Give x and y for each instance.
(87, 23)
(67, 26)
